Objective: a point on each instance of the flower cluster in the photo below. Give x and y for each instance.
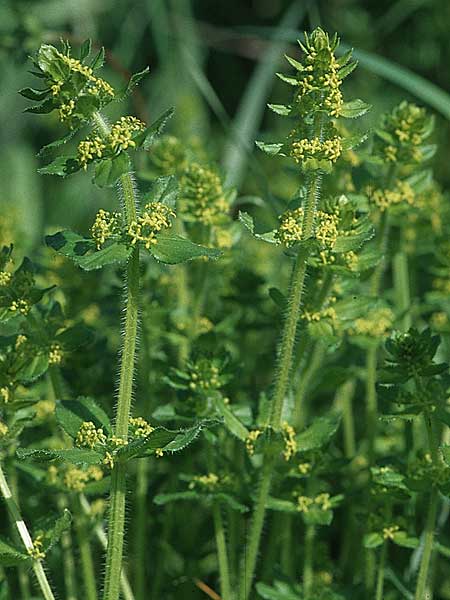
(155, 217)
(168, 156)
(36, 551)
(403, 133)
(106, 226)
(76, 479)
(376, 324)
(204, 375)
(202, 197)
(290, 229)
(55, 355)
(305, 149)
(321, 501)
(251, 440)
(207, 482)
(290, 443)
(90, 149)
(383, 199)
(89, 435)
(140, 427)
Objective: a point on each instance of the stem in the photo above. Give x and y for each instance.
(371, 399)
(252, 547)
(402, 288)
(380, 578)
(224, 568)
(116, 524)
(101, 536)
(308, 565)
(293, 310)
(140, 534)
(301, 408)
(430, 522)
(68, 561)
(87, 563)
(25, 537)
(344, 396)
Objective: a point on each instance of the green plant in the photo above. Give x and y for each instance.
(320, 415)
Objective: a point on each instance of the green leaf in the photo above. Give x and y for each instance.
(319, 433)
(69, 243)
(354, 109)
(172, 249)
(317, 516)
(70, 414)
(61, 525)
(297, 66)
(162, 499)
(34, 368)
(77, 456)
(10, 556)
(134, 81)
(401, 538)
(164, 439)
(280, 109)
(32, 94)
(280, 591)
(108, 171)
(56, 144)
(349, 68)
(281, 505)
(115, 253)
(163, 189)
(270, 149)
(230, 502)
(146, 138)
(98, 60)
(356, 238)
(290, 80)
(61, 166)
(247, 221)
(232, 423)
(85, 49)
(372, 540)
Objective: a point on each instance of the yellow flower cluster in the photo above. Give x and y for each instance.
(304, 468)
(168, 155)
(21, 306)
(204, 377)
(140, 427)
(44, 409)
(105, 226)
(76, 479)
(327, 228)
(159, 453)
(36, 552)
(385, 198)
(202, 197)
(320, 72)
(89, 435)
(352, 260)
(121, 136)
(5, 394)
(376, 324)
(291, 227)
(290, 443)
(55, 355)
(304, 149)
(326, 313)
(3, 429)
(5, 277)
(66, 109)
(389, 532)
(251, 439)
(322, 501)
(154, 218)
(90, 149)
(117, 441)
(208, 482)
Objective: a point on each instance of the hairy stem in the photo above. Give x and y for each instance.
(25, 537)
(380, 577)
(308, 565)
(402, 288)
(116, 523)
(87, 563)
(343, 401)
(224, 568)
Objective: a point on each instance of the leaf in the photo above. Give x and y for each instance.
(61, 525)
(355, 238)
(247, 221)
(32, 94)
(115, 253)
(61, 166)
(173, 249)
(34, 368)
(317, 516)
(162, 499)
(108, 171)
(278, 297)
(401, 538)
(280, 591)
(56, 144)
(372, 540)
(77, 456)
(133, 82)
(319, 433)
(281, 505)
(164, 439)
(69, 243)
(270, 149)
(85, 49)
(98, 60)
(163, 189)
(231, 422)
(297, 66)
(354, 109)
(446, 454)
(231, 502)
(70, 414)
(10, 556)
(145, 139)
(349, 68)
(280, 109)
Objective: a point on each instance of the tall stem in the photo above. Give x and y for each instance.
(380, 578)
(281, 385)
(430, 522)
(25, 537)
(308, 565)
(87, 563)
(116, 523)
(224, 568)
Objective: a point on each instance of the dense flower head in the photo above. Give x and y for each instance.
(73, 89)
(401, 194)
(377, 323)
(202, 197)
(318, 78)
(402, 135)
(168, 155)
(291, 227)
(106, 226)
(305, 149)
(155, 217)
(139, 427)
(89, 435)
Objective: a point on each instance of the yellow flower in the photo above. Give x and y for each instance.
(89, 435)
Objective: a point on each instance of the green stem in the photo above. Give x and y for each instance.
(224, 568)
(25, 537)
(116, 523)
(371, 399)
(252, 547)
(402, 288)
(308, 565)
(430, 522)
(301, 406)
(380, 578)
(87, 563)
(140, 534)
(68, 561)
(344, 396)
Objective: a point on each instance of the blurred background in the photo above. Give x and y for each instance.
(215, 62)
